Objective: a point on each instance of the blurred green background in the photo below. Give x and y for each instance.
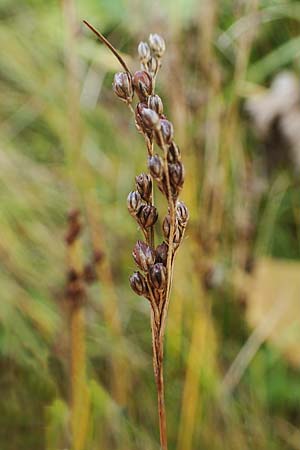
(233, 340)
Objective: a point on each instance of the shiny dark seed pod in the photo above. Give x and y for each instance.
(176, 172)
(142, 83)
(157, 44)
(166, 227)
(166, 134)
(139, 120)
(155, 103)
(138, 283)
(158, 276)
(134, 202)
(144, 52)
(147, 216)
(182, 213)
(122, 86)
(144, 185)
(143, 255)
(173, 153)
(150, 119)
(156, 166)
(162, 253)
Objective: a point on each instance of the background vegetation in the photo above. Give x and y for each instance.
(67, 142)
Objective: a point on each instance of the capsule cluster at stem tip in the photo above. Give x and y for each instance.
(165, 170)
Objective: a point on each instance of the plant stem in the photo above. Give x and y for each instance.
(161, 399)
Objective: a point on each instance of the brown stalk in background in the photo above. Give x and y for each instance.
(167, 171)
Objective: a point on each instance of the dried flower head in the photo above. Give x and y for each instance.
(158, 276)
(144, 52)
(147, 215)
(151, 119)
(134, 202)
(156, 166)
(144, 186)
(143, 255)
(155, 103)
(182, 213)
(143, 85)
(138, 284)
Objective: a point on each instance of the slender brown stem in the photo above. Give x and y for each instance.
(108, 44)
(161, 399)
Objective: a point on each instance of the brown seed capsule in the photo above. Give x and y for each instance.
(156, 166)
(143, 255)
(134, 202)
(144, 185)
(161, 253)
(139, 120)
(166, 226)
(158, 276)
(155, 103)
(122, 86)
(138, 283)
(147, 215)
(182, 213)
(173, 153)
(176, 172)
(150, 119)
(157, 44)
(152, 66)
(142, 82)
(144, 52)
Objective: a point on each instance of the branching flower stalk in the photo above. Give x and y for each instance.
(165, 169)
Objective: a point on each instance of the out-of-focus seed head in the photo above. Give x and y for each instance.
(134, 202)
(155, 103)
(176, 172)
(182, 213)
(122, 86)
(144, 52)
(156, 166)
(143, 85)
(166, 133)
(143, 255)
(147, 216)
(152, 66)
(157, 44)
(138, 283)
(144, 185)
(158, 276)
(162, 253)
(151, 119)
(173, 153)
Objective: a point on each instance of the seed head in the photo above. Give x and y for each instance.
(155, 103)
(143, 255)
(138, 283)
(182, 213)
(157, 44)
(144, 52)
(147, 215)
(143, 85)
(134, 201)
(156, 166)
(158, 276)
(144, 186)
(122, 86)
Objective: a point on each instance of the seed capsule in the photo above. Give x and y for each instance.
(147, 216)
(156, 166)
(139, 120)
(144, 185)
(166, 226)
(173, 153)
(134, 201)
(144, 52)
(138, 283)
(143, 255)
(142, 83)
(182, 213)
(158, 276)
(176, 172)
(122, 86)
(152, 66)
(161, 253)
(155, 103)
(151, 119)
(157, 44)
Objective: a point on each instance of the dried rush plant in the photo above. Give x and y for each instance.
(156, 264)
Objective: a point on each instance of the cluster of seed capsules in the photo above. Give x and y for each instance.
(166, 170)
